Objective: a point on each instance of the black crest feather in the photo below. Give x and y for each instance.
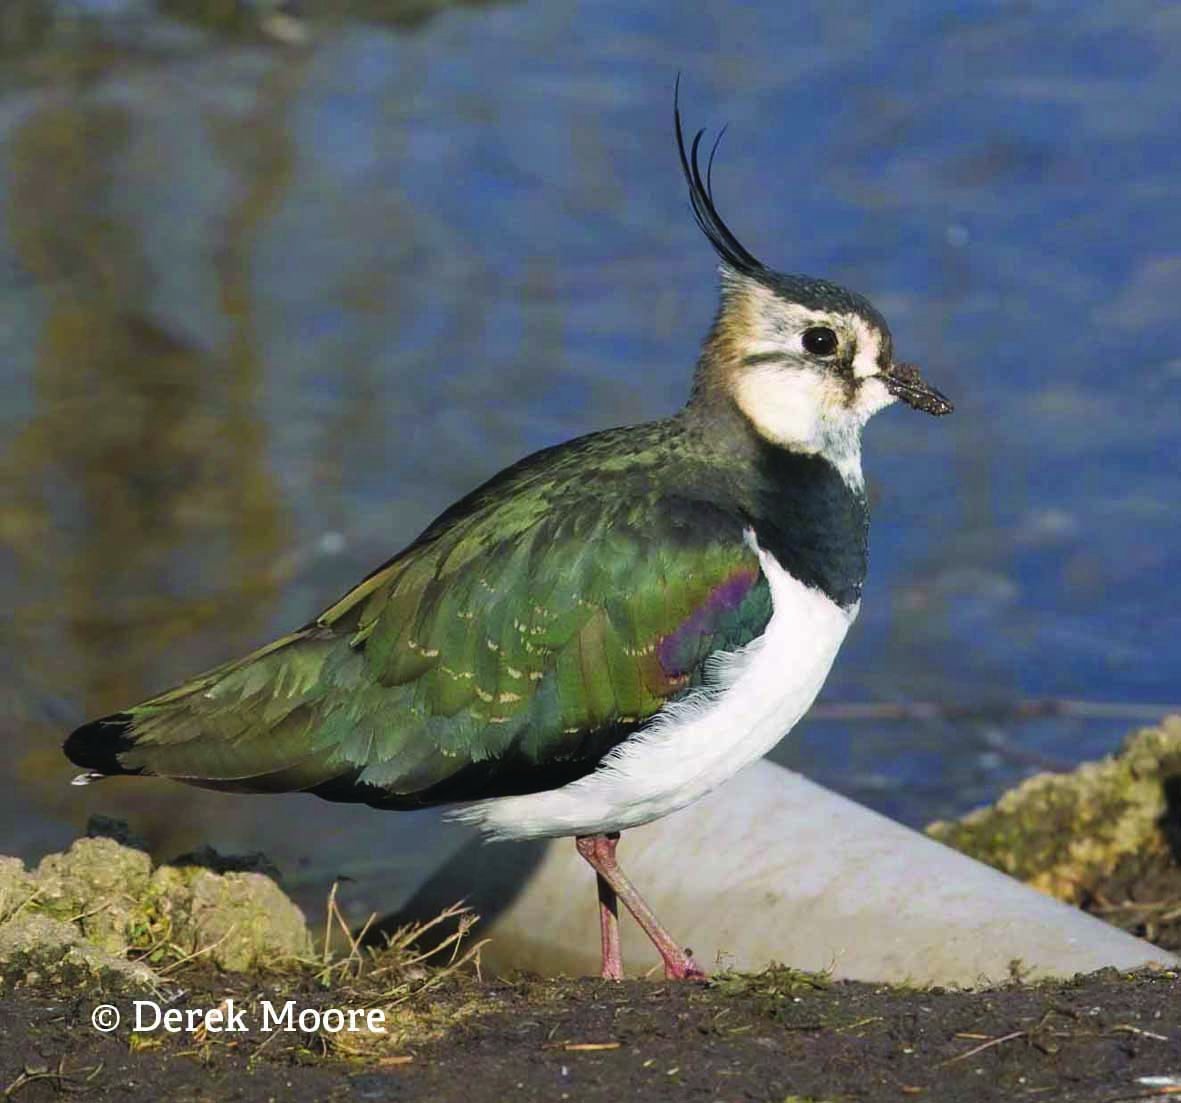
(701, 196)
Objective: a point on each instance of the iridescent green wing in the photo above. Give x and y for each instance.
(528, 631)
(542, 652)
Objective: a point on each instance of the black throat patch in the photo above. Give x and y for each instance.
(813, 523)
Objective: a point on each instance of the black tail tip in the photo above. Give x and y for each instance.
(96, 746)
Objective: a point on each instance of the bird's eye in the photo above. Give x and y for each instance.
(820, 341)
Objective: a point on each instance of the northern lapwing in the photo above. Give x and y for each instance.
(601, 633)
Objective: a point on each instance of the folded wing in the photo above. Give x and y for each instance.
(506, 651)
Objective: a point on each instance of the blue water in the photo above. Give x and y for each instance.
(266, 307)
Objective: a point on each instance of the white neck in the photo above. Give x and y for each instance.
(843, 451)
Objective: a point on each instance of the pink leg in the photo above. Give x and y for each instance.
(609, 930)
(599, 851)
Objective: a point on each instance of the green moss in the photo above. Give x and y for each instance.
(1062, 832)
(16, 886)
(98, 884)
(34, 940)
(101, 901)
(778, 991)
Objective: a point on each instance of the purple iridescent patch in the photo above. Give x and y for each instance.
(680, 650)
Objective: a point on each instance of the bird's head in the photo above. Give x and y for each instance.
(805, 361)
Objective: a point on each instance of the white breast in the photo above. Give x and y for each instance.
(752, 699)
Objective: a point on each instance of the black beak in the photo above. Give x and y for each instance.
(904, 382)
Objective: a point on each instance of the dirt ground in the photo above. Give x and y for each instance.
(779, 1036)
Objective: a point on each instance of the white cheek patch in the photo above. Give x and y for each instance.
(784, 406)
(808, 412)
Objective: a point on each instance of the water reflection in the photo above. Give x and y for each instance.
(144, 513)
(28, 25)
(24, 25)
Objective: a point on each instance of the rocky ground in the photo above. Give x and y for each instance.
(90, 932)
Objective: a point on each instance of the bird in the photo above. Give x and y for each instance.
(598, 635)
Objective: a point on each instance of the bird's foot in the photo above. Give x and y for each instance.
(680, 965)
(599, 851)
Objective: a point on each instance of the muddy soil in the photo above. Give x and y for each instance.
(779, 1036)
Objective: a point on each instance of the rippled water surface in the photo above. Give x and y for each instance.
(276, 288)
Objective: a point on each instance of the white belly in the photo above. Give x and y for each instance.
(752, 699)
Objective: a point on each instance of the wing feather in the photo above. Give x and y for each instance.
(511, 646)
